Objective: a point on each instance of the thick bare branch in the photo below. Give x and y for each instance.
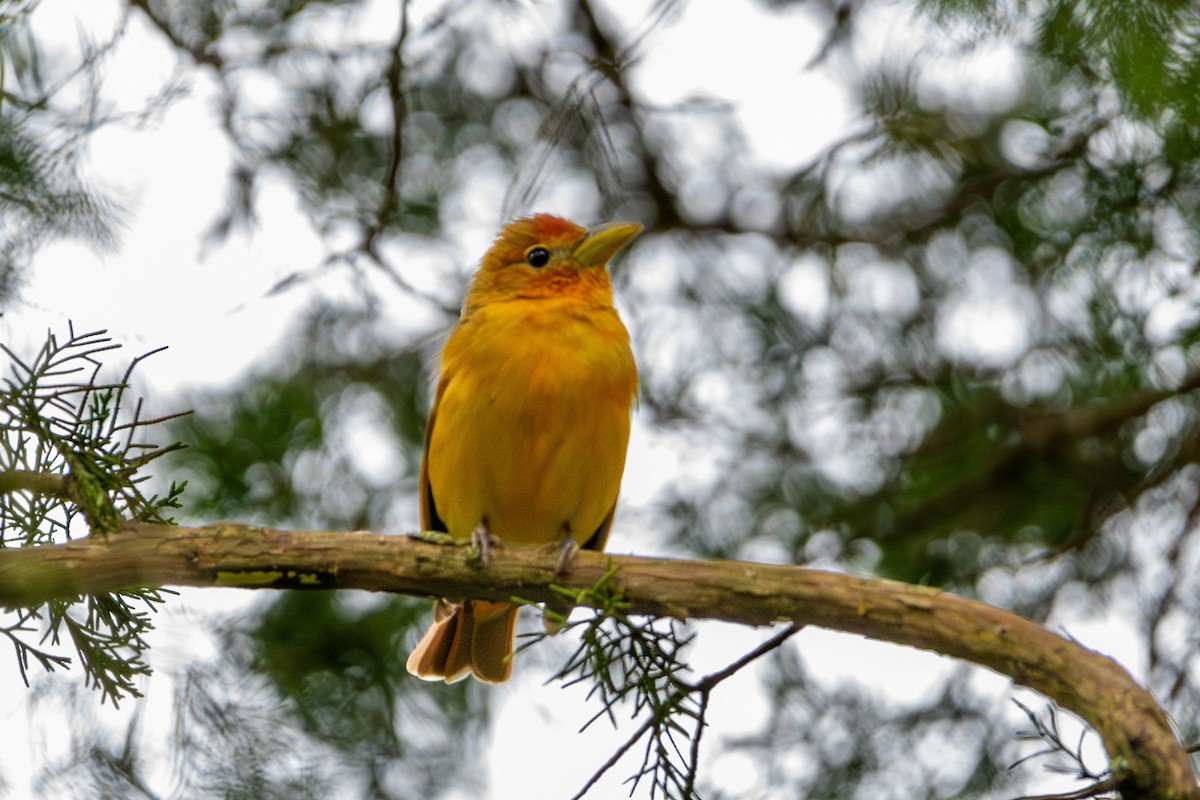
(1148, 760)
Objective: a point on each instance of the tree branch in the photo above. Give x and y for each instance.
(23, 480)
(1147, 759)
(200, 53)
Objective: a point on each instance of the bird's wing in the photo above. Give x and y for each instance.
(430, 521)
(600, 537)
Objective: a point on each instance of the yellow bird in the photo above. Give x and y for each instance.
(526, 441)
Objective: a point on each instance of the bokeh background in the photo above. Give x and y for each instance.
(917, 298)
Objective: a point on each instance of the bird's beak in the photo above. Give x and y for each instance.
(603, 242)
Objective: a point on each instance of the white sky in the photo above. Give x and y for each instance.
(161, 287)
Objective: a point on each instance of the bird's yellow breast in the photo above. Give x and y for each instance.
(531, 420)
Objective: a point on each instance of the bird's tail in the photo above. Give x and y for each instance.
(474, 637)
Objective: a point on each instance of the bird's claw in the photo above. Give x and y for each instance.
(567, 550)
(556, 612)
(483, 541)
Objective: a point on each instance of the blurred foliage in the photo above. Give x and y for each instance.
(42, 196)
(305, 702)
(289, 447)
(957, 346)
(842, 743)
(336, 664)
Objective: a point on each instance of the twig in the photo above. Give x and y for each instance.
(391, 181)
(704, 687)
(709, 682)
(205, 55)
(776, 641)
(616, 756)
(1109, 784)
(23, 480)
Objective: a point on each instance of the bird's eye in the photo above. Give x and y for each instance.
(538, 257)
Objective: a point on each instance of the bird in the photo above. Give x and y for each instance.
(529, 427)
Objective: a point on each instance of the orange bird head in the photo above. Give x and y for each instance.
(548, 256)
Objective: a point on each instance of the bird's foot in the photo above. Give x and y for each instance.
(556, 612)
(483, 541)
(567, 550)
